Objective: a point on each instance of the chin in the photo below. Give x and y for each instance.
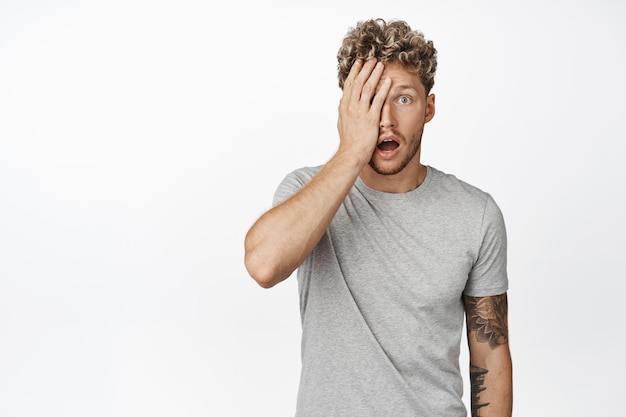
(387, 170)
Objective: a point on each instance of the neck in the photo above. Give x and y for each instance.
(411, 177)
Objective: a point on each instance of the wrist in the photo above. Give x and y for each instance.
(353, 158)
(350, 160)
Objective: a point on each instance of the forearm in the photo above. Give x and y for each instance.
(492, 385)
(283, 237)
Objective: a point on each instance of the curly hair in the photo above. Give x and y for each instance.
(388, 42)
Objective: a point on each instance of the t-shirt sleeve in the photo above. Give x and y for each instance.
(291, 184)
(489, 275)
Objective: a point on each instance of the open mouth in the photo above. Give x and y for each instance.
(388, 145)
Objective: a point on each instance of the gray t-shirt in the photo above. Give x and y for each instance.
(381, 297)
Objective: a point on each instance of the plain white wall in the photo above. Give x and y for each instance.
(140, 139)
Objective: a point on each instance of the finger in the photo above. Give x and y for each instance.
(369, 89)
(361, 79)
(348, 82)
(381, 96)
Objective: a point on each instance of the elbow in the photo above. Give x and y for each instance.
(265, 283)
(263, 273)
(265, 279)
(264, 263)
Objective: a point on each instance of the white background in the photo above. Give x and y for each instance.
(140, 139)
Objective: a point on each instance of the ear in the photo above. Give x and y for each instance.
(430, 108)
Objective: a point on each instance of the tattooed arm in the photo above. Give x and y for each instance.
(490, 358)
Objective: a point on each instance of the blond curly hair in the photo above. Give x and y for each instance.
(392, 41)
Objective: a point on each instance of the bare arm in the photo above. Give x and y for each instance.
(490, 357)
(280, 240)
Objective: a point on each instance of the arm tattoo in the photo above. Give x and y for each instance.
(477, 379)
(487, 317)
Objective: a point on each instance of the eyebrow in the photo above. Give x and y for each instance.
(402, 87)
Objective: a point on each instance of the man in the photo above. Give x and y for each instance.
(390, 253)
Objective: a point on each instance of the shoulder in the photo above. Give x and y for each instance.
(303, 175)
(457, 189)
(294, 181)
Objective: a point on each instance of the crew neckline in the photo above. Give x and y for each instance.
(366, 189)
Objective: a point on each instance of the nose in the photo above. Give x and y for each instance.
(387, 120)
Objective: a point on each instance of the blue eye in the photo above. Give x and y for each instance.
(404, 100)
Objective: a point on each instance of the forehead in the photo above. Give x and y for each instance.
(401, 78)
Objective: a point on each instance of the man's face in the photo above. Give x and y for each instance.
(402, 120)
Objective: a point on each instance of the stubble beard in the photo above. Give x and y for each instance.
(415, 146)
